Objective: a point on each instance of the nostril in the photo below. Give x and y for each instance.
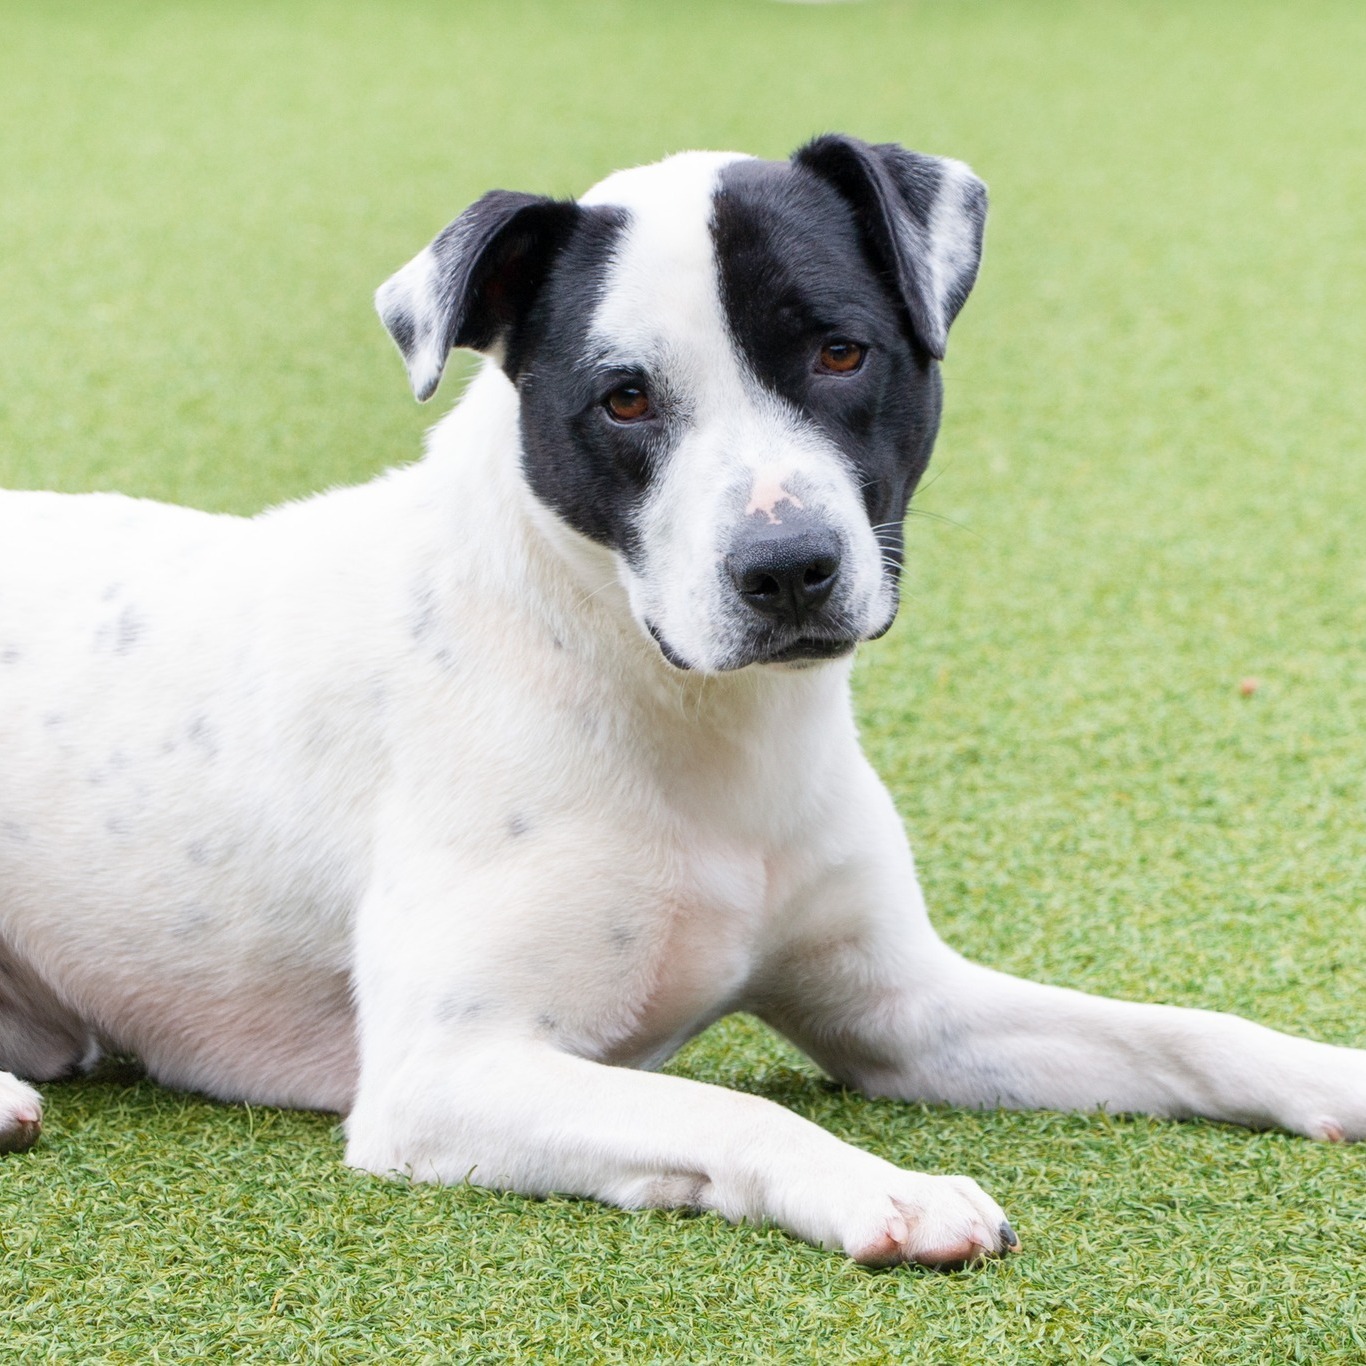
(820, 572)
(759, 585)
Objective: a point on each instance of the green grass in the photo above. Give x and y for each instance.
(1155, 463)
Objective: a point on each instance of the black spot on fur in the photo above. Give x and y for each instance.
(621, 937)
(458, 1008)
(201, 735)
(422, 612)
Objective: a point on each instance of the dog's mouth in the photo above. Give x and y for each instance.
(808, 650)
(803, 650)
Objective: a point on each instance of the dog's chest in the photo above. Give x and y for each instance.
(648, 869)
(695, 949)
(659, 927)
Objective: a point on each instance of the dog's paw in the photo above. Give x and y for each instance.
(943, 1222)
(1319, 1091)
(21, 1114)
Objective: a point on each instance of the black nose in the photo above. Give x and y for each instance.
(786, 577)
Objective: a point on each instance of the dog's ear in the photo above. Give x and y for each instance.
(474, 282)
(921, 216)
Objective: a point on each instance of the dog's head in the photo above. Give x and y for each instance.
(727, 372)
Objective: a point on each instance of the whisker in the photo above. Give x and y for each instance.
(602, 588)
(940, 470)
(940, 517)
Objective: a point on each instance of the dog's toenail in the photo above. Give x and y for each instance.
(1009, 1237)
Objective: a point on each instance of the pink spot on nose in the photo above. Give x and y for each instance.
(768, 492)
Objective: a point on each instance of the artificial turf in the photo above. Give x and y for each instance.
(1150, 487)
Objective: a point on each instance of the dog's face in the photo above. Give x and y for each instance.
(728, 376)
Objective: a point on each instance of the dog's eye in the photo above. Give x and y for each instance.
(841, 357)
(628, 404)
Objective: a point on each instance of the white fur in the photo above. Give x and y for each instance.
(383, 802)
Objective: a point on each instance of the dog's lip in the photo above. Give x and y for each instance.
(666, 649)
(809, 649)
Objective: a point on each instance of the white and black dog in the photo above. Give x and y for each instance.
(458, 801)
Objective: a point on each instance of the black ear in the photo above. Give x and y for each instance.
(922, 217)
(474, 282)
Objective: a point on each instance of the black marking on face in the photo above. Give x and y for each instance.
(796, 276)
(588, 465)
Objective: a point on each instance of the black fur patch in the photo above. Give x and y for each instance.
(798, 272)
(592, 470)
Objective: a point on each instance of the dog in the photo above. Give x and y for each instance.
(457, 802)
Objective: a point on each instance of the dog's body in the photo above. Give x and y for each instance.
(452, 801)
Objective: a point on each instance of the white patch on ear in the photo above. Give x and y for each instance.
(410, 307)
(952, 250)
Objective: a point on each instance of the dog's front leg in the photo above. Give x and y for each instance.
(868, 989)
(519, 1114)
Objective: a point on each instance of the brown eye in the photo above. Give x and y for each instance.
(628, 404)
(841, 357)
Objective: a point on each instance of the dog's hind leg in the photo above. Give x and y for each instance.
(868, 990)
(21, 1114)
(40, 1039)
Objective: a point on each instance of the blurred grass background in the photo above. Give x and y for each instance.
(1153, 465)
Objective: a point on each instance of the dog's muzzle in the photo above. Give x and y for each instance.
(786, 576)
